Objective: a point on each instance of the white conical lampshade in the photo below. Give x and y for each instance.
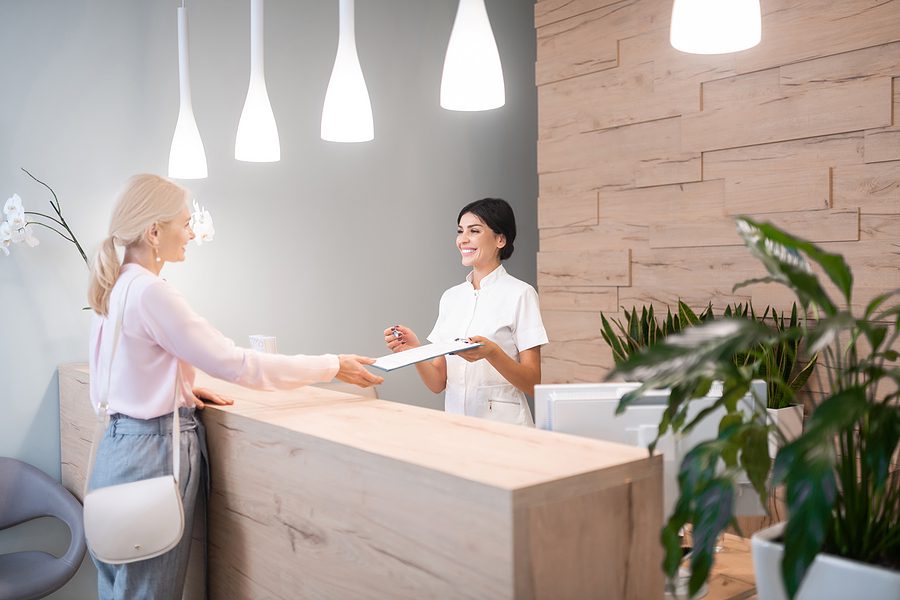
(257, 134)
(473, 75)
(187, 160)
(715, 26)
(347, 114)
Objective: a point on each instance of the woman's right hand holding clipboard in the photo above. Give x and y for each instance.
(399, 338)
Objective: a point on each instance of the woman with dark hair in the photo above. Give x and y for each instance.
(491, 307)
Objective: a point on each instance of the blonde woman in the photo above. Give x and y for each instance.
(161, 341)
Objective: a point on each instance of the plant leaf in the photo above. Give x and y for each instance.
(811, 491)
(701, 351)
(755, 457)
(780, 253)
(877, 301)
(753, 281)
(874, 333)
(881, 442)
(713, 512)
(802, 376)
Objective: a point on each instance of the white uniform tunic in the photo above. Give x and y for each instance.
(506, 311)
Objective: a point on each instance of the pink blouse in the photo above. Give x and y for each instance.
(161, 331)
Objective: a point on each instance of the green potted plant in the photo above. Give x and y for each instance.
(780, 365)
(642, 332)
(843, 495)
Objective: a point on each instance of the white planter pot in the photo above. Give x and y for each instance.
(828, 578)
(789, 421)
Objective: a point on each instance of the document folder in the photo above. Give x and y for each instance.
(426, 352)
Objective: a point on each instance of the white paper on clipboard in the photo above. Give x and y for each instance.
(426, 352)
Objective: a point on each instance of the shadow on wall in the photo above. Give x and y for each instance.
(40, 443)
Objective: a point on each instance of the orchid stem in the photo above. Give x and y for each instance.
(61, 220)
(64, 236)
(57, 221)
(56, 206)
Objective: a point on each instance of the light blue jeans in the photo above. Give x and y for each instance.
(134, 449)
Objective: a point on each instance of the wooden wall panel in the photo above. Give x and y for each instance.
(874, 188)
(681, 167)
(656, 152)
(849, 106)
(867, 63)
(611, 235)
(879, 227)
(564, 210)
(687, 201)
(565, 107)
(551, 11)
(585, 268)
(785, 157)
(581, 44)
(883, 144)
(581, 299)
(697, 296)
(799, 30)
(573, 47)
(598, 149)
(764, 191)
(816, 226)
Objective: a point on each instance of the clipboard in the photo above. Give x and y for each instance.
(426, 352)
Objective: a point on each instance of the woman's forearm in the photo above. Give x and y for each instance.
(433, 374)
(523, 375)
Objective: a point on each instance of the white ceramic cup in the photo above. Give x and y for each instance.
(264, 343)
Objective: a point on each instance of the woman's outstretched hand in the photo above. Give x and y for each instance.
(405, 338)
(202, 395)
(352, 371)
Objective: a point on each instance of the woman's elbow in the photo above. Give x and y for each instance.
(437, 388)
(534, 380)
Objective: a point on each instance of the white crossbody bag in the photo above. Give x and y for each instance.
(133, 521)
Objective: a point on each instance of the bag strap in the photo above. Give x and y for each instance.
(103, 411)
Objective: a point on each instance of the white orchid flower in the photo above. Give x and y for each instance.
(15, 212)
(18, 235)
(5, 237)
(29, 238)
(202, 224)
(13, 205)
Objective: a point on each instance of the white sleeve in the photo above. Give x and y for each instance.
(530, 330)
(440, 333)
(171, 322)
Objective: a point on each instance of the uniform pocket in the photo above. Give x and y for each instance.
(501, 403)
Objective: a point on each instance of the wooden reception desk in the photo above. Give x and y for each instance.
(321, 494)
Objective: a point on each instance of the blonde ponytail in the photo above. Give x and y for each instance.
(104, 272)
(145, 200)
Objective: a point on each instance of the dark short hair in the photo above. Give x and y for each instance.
(496, 214)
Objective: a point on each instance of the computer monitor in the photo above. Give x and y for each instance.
(589, 409)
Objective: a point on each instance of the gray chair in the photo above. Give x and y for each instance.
(27, 493)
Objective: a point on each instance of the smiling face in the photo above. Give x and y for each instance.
(173, 237)
(477, 243)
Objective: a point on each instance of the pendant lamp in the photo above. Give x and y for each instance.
(715, 26)
(347, 114)
(257, 134)
(187, 159)
(473, 76)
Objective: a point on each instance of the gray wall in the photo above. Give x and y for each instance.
(323, 249)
